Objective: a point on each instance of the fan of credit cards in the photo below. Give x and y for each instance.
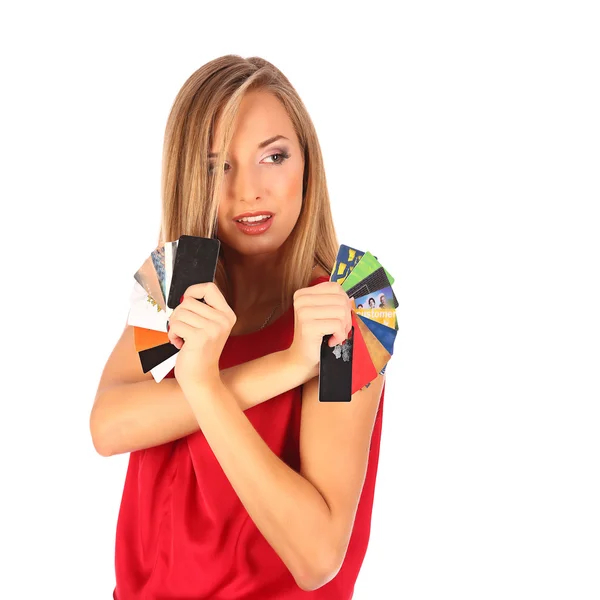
(354, 364)
(159, 284)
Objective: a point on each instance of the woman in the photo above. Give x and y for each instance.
(240, 483)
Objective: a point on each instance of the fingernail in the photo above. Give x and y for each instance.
(167, 325)
(181, 299)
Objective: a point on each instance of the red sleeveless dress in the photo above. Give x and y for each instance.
(182, 532)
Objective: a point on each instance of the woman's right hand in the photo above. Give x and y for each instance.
(319, 310)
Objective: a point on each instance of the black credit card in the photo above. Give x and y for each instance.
(374, 282)
(335, 370)
(151, 357)
(195, 262)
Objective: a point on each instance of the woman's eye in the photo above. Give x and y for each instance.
(278, 159)
(281, 157)
(211, 168)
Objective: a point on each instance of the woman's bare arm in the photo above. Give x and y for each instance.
(131, 411)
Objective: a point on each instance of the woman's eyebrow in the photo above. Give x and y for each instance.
(271, 140)
(260, 146)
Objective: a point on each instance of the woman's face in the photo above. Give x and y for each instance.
(260, 178)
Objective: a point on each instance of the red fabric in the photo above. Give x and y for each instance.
(182, 532)
(363, 369)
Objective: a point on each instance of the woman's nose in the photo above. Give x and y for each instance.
(246, 182)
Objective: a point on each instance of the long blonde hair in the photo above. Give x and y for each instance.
(190, 195)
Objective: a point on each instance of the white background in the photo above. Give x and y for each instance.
(461, 142)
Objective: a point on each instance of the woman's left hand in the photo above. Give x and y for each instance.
(200, 330)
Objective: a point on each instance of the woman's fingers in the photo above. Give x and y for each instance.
(327, 313)
(193, 313)
(328, 305)
(325, 295)
(188, 324)
(212, 295)
(329, 299)
(193, 306)
(190, 319)
(320, 310)
(196, 314)
(323, 327)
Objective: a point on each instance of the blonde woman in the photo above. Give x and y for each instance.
(240, 483)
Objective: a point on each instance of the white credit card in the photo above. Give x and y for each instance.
(144, 311)
(161, 370)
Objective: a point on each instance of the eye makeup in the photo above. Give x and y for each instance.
(282, 154)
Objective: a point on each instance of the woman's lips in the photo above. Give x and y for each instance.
(255, 228)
